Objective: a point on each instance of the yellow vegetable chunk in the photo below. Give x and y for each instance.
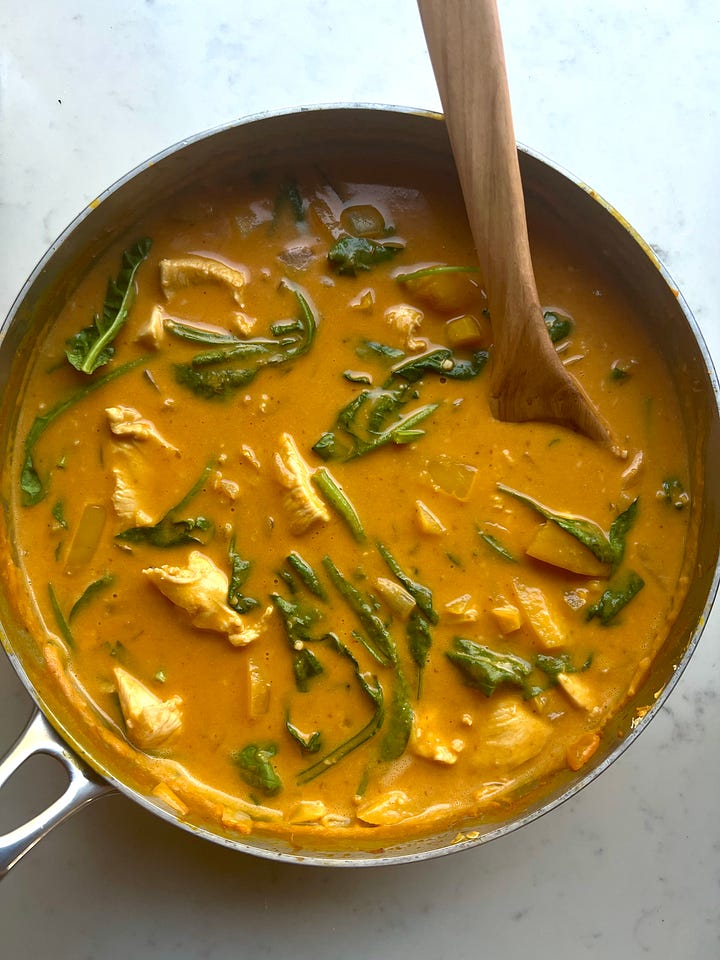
(507, 616)
(553, 545)
(545, 625)
(465, 331)
(427, 521)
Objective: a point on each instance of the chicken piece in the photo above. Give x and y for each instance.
(407, 320)
(191, 271)
(512, 736)
(426, 741)
(201, 589)
(152, 332)
(137, 458)
(129, 422)
(303, 505)
(579, 691)
(149, 721)
(389, 808)
(544, 623)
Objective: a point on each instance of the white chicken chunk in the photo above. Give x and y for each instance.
(407, 320)
(152, 332)
(129, 422)
(190, 271)
(303, 505)
(201, 589)
(149, 720)
(512, 736)
(138, 455)
(426, 740)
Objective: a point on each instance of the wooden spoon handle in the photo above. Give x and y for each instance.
(528, 381)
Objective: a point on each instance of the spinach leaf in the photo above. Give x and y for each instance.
(91, 347)
(398, 722)
(338, 500)
(256, 769)
(239, 572)
(173, 530)
(486, 669)
(587, 532)
(552, 666)
(91, 591)
(306, 574)
(619, 529)
(351, 255)
(309, 742)
(421, 594)
(373, 691)
(442, 361)
(616, 597)
(33, 488)
(380, 641)
(58, 513)
(433, 271)
(298, 620)
(63, 625)
(371, 348)
(419, 642)
(289, 198)
(186, 331)
(215, 374)
(376, 406)
(558, 325)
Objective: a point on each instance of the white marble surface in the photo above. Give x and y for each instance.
(624, 95)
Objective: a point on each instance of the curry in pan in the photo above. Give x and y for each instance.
(277, 552)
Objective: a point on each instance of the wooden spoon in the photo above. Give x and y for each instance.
(527, 379)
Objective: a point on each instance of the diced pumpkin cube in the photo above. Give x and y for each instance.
(507, 616)
(446, 291)
(579, 752)
(544, 624)
(465, 331)
(553, 545)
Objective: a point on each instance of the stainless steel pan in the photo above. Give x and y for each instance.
(415, 138)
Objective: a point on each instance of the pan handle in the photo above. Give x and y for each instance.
(83, 786)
